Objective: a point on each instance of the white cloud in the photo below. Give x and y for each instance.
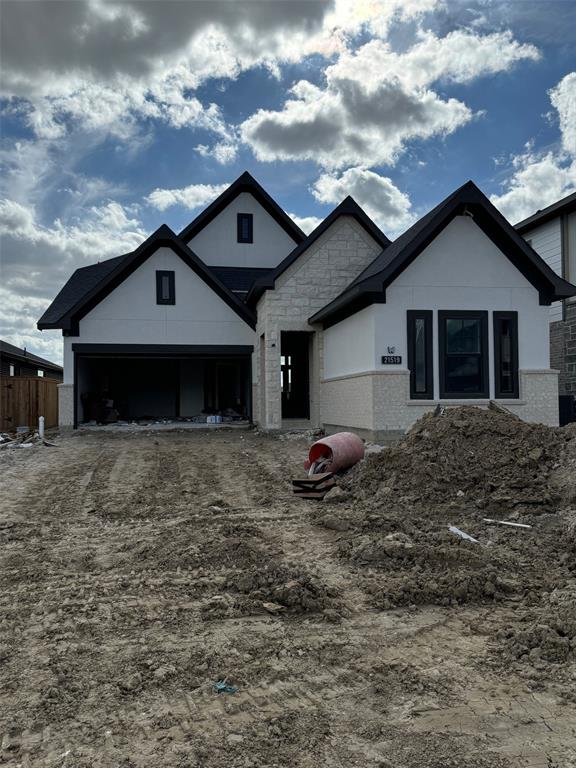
(375, 101)
(104, 65)
(377, 195)
(540, 179)
(191, 197)
(345, 124)
(563, 98)
(306, 223)
(459, 57)
(37, 260)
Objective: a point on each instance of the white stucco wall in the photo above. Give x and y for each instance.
(546, 240)
(130, 315)
(217, 243)
(460, 270)
(350, 346)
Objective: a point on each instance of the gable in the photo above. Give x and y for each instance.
(216, 243)
(461, 256)
(130, 311)
(348, 209)
(370, 287)
(336, 258)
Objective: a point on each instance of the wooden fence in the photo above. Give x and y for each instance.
(24, 398)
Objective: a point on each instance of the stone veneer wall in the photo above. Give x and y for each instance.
(563, 349)
(65, 406)
(377, 404)
(318, 276)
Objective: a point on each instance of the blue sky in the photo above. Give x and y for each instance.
(120, 116)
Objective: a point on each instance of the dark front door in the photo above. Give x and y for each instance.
(295, 374)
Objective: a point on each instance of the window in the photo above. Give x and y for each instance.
(245, 228)
(506, 354)
(12, 370)
(463, 348)
(165, 291)
(40, 372)
(420, 354)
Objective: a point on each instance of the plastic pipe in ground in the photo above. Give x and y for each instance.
(41, 427)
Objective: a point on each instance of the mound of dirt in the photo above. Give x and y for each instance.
(547, 634)
(287, 586)
(493, 459)
(456, 469)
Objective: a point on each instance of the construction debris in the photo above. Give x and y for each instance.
(314, 486)
(506, 522)
(223, 687)
(462, 534)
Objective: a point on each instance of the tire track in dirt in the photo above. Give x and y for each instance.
(108, 657)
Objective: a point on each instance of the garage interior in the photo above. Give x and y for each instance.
(136, 387)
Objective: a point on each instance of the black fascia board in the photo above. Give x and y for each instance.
(348, 207)
(244, 183)
(163, 350)
(163, 237)
(467, 200)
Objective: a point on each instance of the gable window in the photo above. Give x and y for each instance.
(165, 288)
(245, 226)
(506, 354)
(40, 372)
(420, 354)
(463, 348)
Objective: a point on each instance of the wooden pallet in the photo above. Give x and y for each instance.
(313, 486)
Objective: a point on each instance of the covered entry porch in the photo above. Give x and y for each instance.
(137, 382)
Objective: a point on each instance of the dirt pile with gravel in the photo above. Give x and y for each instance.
(454, 470)
(493, 459)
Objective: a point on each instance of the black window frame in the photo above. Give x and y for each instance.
(411, 316)
(496, 319)
(160, 275)
(448, 314)
(249, 217)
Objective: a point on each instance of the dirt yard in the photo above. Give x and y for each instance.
(134, 573)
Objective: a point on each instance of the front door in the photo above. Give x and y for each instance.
(295, 374)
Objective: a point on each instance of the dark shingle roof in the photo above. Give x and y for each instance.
(9, 350)
(90, 285)
(80, 283)
(239, 279)
(370, 285)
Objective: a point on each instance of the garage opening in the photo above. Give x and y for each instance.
(132, 386)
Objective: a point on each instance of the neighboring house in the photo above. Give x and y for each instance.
(341, 329)
(19, 362)
(552, 233)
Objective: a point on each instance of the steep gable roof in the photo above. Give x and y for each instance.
(83, 292)
(565, 205)
(78, 285)
(244, 183)
(370, 286)
(348, 207)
